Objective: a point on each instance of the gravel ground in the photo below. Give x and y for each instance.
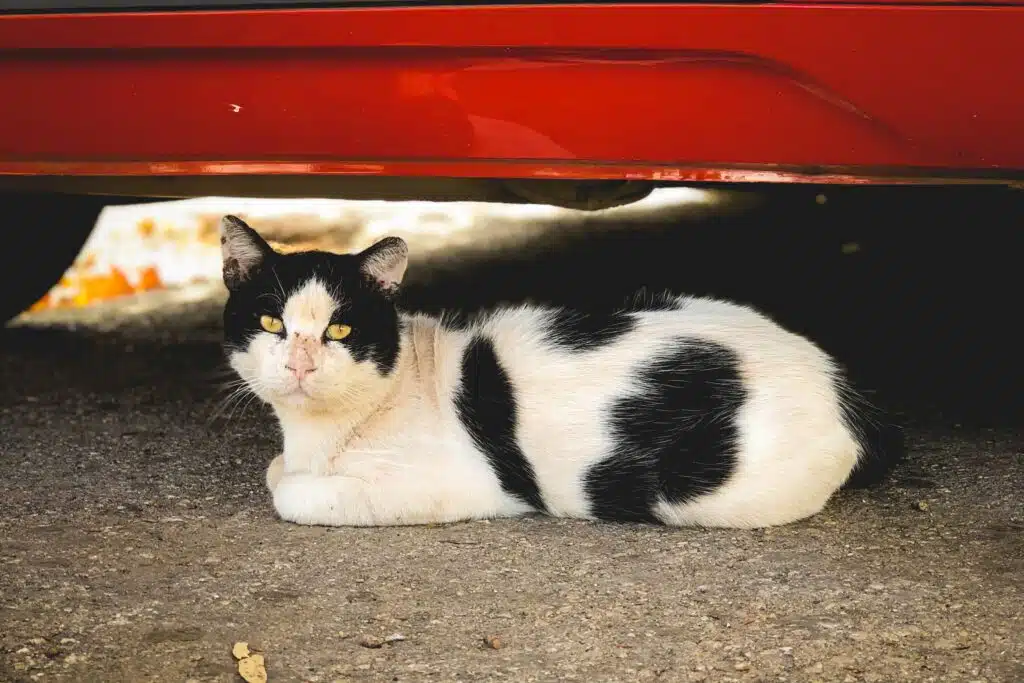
(138, 544)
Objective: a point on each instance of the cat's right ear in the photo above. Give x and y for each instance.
(242, 250)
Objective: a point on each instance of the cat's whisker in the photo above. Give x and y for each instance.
(227, 403)
(254, 398)
(284, 294)
(232, 385)
(240, 394)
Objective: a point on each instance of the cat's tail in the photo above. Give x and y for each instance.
(880, 438)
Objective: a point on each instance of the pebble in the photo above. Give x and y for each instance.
(372, 642)
(493, 642)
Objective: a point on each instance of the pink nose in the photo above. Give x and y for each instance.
(300, 356)
(300, 369)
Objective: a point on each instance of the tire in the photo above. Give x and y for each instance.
(42, 235)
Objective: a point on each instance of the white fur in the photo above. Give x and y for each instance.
(361, 449)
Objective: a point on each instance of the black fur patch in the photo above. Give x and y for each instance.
(372, 316)
(580, 331)
(881, 441)
(486, 405)
(675, 440)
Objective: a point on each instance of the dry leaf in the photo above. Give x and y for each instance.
(252, 669)
(240, 650)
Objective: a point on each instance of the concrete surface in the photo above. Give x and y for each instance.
(137, 544)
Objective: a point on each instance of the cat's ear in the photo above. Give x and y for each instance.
(385, 263)
(242, 250)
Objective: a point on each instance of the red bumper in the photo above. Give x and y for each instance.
(672, 92)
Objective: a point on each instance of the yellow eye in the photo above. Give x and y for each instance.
(271, 324)
(338, 332)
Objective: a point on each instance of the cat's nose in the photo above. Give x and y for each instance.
(300, 356)
(301, 369)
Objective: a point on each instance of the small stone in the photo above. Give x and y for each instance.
(394, 638)
(741, 666)
(372, 642)
(493, 642)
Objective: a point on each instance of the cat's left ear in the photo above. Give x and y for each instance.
(385, 263)
(242, 250)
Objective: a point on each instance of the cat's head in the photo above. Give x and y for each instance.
(311, 329)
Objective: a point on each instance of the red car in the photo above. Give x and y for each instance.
(586, 105)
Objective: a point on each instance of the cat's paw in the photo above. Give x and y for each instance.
(274, 472)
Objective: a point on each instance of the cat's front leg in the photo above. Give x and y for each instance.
(306, 498)
(403, 496)
(274, 472)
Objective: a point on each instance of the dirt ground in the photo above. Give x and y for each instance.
(138, 544)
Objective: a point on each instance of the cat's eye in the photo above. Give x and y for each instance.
(271, 324)
(337, 332)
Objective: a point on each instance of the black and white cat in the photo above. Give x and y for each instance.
(674, 410)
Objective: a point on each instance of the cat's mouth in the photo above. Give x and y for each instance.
(298, 391)
(295, 391)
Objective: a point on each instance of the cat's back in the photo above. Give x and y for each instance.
(683, 409)
(562, 350)
(569, 367)
(542, 338)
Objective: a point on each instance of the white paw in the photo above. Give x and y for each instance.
(329, 501)
(301, 498)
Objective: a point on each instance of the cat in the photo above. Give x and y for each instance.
(674, 410)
